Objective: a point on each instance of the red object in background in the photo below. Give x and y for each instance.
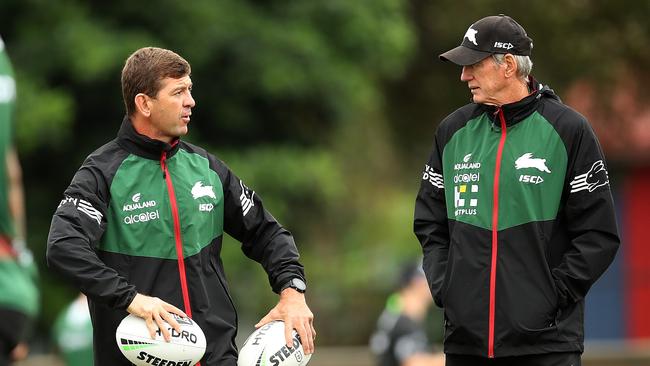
(637, 253)
(619, 112)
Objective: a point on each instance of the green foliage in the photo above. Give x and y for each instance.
(295, 180)
(43, 115)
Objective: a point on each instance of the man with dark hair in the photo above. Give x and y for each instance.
(514, 213)
(18, 291)
(140, 226)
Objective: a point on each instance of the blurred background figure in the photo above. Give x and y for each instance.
(73, 333)
(18, 292)
(400, 338)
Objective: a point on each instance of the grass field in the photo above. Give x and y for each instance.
(596, 354)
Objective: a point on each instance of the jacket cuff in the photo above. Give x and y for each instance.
(284, 278)
(124, 303)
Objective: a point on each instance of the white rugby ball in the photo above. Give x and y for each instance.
(267, 346)
(185, 348)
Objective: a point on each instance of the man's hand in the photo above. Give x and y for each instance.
(152, 309)
(293, 310)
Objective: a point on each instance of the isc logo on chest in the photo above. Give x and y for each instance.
(206, 207)
(534, 179)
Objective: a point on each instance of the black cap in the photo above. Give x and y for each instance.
(490, 35)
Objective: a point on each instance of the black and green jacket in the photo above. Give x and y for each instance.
(144, 216)
(516, 222)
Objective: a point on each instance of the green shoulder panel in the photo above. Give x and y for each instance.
(533, 167)
(533, 171)
(140, 221)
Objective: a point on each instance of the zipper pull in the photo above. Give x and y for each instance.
(502, 117)
(163, 164)
(495, 115)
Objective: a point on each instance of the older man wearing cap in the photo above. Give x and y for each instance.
(514, 213)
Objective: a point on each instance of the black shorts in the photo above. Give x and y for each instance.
(13, 329)
(547, 359)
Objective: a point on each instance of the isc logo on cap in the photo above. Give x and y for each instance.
(504, 45)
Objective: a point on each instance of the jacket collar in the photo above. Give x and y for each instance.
(517, 111)
(141, 145)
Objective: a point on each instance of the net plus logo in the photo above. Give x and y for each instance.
(466, 199)
(466, 186)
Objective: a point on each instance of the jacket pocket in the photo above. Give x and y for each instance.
(217, 267)
(463, 294)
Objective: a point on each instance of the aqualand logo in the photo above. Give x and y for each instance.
(466, 164)
(136, 204)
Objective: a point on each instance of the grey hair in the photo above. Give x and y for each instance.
(524, 64)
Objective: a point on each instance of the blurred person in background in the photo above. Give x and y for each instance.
(400, 338)
(73, 333)
(140, 227)
(514, 213)
(18, 291)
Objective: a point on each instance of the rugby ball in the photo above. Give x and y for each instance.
(266, 346)
(185, 348)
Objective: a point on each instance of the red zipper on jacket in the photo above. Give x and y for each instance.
(495, 230)
(177, 233)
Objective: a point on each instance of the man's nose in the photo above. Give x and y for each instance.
(189, 101)
(465, 75)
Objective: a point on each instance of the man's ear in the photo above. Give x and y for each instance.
(143, 104)
(511, 65)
